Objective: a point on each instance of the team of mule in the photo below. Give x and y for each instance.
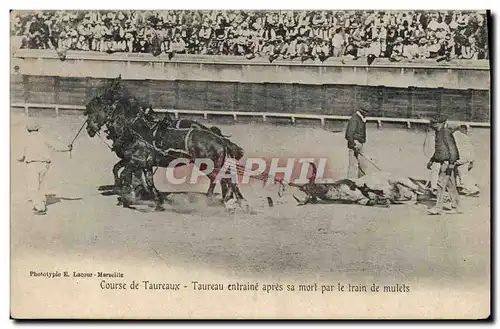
(142, 143)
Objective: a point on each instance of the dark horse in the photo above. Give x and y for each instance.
(141, 146)
(136, 155)
(234, 150)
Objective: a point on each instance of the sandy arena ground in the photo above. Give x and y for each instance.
(443, 257)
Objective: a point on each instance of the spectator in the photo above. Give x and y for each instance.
(178, 45)
(434, 48)
(397, 50)
(338, 43)
(278, 34)
(304, 50)
(205, 35)
(322, 50)
(422, 48)
(279, 49)
(374, 48)
(410, 50)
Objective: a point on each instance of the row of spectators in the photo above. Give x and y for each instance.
(321, 34)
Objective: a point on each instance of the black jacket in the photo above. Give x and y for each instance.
(356, 130)
(445, 147)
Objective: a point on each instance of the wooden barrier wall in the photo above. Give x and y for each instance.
(462, 105)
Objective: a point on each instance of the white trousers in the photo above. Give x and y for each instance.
(35, 181)
(465, 180)
(357, 164)
(436, 167)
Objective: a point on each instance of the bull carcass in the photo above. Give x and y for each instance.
(377, 189)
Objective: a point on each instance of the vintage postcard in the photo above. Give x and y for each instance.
(250, 164)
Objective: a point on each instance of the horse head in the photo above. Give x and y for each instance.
(97, 116)
(100, 109)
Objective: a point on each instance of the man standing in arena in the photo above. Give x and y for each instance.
(465, 162)
(446, 154)
(356, 137)
(36, 156)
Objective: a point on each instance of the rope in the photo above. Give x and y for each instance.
(78, 133)
(369, 160)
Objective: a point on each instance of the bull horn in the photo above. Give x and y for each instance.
(226, 136)
(419, 184)
(297, 199)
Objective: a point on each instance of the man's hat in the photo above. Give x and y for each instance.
(363, 109)
(439, 118)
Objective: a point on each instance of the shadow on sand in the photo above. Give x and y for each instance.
(183, 202)
(52, 199)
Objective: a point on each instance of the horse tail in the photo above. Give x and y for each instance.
(314, 171)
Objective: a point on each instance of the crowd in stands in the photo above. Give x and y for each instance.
(303, 35)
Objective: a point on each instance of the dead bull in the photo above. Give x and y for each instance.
(378, 189)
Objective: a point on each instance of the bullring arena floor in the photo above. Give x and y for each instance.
(447, 257)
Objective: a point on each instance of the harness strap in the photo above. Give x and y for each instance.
(147, 143)
(186, 139)
(100, 137)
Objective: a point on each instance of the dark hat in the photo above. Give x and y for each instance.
(370, 59)
(439, 118)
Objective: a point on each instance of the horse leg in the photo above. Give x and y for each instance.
(242, 202)
(229, 198)
(120, 189)
(211, 188)
(126, 190)
(141, 183)
(116, 168)
(227, 191)
(237, 191)
(156, 194)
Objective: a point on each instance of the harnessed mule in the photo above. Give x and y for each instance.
(140, 147)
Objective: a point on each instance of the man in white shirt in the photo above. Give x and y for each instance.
(338, 43)
(36, 156)
(465, 163)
